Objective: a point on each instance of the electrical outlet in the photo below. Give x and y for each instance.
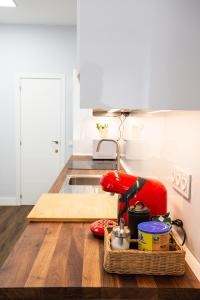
(181, 182)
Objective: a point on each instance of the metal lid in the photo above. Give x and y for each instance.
(117, 232)
(153, 227)
(139, 208)
(121, 231)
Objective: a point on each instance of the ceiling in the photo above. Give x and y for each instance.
(46, 12)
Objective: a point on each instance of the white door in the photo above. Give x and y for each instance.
(41, 135)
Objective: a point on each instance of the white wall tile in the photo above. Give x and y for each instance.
(175, 140)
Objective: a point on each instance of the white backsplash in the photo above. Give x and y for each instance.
(174, 139)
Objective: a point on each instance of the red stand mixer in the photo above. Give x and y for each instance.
(133, 188)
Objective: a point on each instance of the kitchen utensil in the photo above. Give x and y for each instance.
(74, 208)
(137, 214)
(120, 237)
(98, 227)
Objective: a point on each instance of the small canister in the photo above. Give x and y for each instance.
(153, 236)
(137, 214)
(120, 237)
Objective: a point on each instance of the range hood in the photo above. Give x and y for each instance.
(117, 112)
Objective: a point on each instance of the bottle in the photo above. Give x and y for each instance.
(137, 214)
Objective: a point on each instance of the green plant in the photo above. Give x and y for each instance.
(101, 126)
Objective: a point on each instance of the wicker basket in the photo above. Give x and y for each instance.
(132, 261)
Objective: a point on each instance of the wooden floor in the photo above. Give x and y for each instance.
(12, 224)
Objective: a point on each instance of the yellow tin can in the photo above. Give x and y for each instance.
(153, 236)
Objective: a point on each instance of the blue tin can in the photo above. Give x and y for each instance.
(153, 236)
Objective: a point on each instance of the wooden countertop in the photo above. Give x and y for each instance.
(64, 261)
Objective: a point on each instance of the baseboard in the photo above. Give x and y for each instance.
(8, 201)
(192, 262)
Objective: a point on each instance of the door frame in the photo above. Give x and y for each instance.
(20, 76)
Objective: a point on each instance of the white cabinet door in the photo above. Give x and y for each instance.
(139, 54)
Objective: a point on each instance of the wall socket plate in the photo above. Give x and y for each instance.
(181, 182)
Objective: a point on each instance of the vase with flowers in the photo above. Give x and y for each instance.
(103, 130)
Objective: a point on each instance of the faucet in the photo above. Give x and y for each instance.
(117, 148)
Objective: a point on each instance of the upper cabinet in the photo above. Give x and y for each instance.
(139, 54)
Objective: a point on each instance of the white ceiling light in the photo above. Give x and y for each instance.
(7, 3)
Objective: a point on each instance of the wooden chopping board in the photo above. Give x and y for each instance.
(74, 207)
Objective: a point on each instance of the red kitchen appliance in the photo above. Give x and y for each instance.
(133, 188)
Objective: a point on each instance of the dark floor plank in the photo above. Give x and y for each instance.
(12, 224)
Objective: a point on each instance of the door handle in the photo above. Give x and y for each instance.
(56, 142)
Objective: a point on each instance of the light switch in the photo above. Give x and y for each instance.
(181, 182)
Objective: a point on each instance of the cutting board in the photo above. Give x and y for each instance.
(74, 207)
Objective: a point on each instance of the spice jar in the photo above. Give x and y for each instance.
(120, 237)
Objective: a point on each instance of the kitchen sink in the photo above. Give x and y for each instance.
(82, 184)
(84, 180)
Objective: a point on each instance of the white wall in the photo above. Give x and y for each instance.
(175, 141)
(181, 147)
(29, 49)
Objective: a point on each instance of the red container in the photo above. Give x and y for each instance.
(153, 193)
